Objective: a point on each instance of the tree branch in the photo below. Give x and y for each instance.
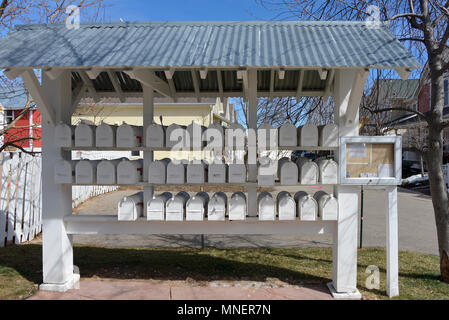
(420, 114)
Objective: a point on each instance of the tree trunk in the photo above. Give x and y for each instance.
(434, 159)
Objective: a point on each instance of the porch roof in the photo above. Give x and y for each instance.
(205, 44)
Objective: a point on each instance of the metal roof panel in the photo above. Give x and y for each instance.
(205, 44)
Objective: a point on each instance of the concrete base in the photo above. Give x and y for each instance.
(344, 295)
(62, 287)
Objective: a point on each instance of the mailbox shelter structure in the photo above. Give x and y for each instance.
(60, 66)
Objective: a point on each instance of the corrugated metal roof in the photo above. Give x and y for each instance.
(205, 44)
(398, 88)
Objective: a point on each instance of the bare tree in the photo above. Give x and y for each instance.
(13, 12)
(423, 26)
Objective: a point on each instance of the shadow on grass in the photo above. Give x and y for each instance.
(166, 264)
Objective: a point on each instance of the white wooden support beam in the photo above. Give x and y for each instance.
(196, 85)
(404, 73)
(392, 241)
(243, 75)
(271, 84)
(300, 84)
(148, 78)
(281, 74)
(169, 73)
(148, 118)
(203, 74)
(252, 149)
(356, 97)
(54, 73)
(93, 73)
(89, 84)
(329, 80)
(57, 249)
(13, 73)
(322, 73)
(116, 85)
(220, 85)
(344, 252)
(34, 88)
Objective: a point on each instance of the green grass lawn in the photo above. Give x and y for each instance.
(20, 268)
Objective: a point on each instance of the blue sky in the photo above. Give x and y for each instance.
(143, 10)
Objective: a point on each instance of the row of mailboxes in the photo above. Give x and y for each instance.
(124, 171)
(196, 135)
(104, 135)
(308, 135)
(304, 171)
(105, 172)
(321, 206)
(180, 207)
(178, 172)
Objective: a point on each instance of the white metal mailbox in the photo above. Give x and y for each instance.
(237, 206)
(129, 171)
(328, 135)
(267, 207)
(196, 172)
(196, 207)
(267, 136)
(327, 206)
(130, 208)
(308, 135)
(175, 135)
(156, 206)
(105, 135)
(176, 172)
(217, 173)
(235, 136)
(157, 171)
(287, 135)
(307, 206)
(308, 171)
(84, 135)
(265, 169)
(286, 206)
(129, 136)
(214, 136)
(288, 172)
(155, 136)
(107, 172)
(64, 135)
(237, 173)
(216, 209)
(65, 172)
(86, 172)
(175, 207)
(195, 135)
(328, 171)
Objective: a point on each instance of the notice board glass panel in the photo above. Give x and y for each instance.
(371, 160)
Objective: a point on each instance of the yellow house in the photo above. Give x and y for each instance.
(183, 112)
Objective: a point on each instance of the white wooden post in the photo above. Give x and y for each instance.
(252, 115)
(392, 241)
(148, 115)
(344, 268)
(57, 248)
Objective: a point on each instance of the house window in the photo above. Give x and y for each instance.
(9, 116)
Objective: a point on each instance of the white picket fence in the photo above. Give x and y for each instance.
(21, 200)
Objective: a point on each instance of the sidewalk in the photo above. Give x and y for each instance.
(148, 290)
